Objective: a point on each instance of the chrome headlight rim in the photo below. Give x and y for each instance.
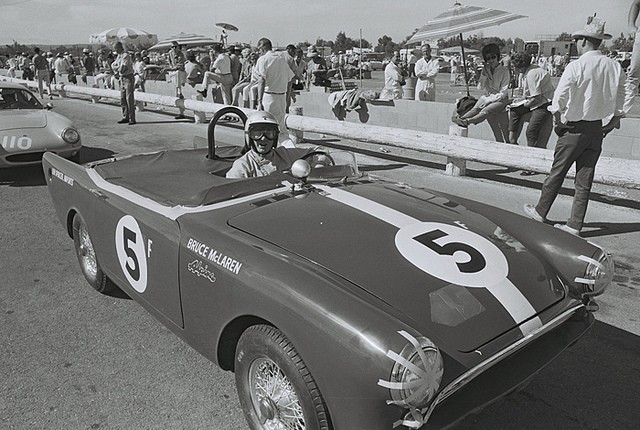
(70, 135)
(598, 274)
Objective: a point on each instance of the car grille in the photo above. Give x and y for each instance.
(28, 157)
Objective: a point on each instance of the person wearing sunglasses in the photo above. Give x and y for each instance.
(264, 156)
(494, 81)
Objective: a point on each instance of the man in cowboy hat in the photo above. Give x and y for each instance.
(591, 89)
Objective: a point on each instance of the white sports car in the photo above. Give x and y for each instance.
(28, 129)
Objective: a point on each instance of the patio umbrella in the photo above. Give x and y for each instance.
(460, 19)
(184, 39)
(226, 26)
(131, 37)
(458, 50)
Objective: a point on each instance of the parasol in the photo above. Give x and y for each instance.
(185, 39)
(226, 26)
(460, 19)
(129, 36)
(457, 50)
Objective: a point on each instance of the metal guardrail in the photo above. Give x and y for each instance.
(458, 150)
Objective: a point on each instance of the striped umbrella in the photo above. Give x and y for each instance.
(184, 39)
(129, 36)
(461, 19)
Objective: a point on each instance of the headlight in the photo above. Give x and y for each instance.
(70, 135)
(416, 374)
(598, 275)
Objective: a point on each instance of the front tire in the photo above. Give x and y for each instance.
(87, 258)
(276, 390)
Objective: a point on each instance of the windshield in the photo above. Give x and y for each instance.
(333, 164)
(15, 98)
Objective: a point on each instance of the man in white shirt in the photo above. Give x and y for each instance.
(221, 73)
(590, 90)
(426, 70)
(273, 74)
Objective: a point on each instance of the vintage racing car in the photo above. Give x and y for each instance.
(28, 129)
(339, 301)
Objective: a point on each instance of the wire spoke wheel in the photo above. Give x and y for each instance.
(275, 388)
(86, 252)
(273, 395)
(87, 258)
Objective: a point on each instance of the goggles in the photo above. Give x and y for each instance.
(270, 134)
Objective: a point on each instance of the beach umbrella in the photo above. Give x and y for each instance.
(458, 50)
(129, 36)
(461, 19)
(185, 39)
(226, 26)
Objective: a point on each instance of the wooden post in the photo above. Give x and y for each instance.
(94, 99)
(456, 166)
(296, 136)
(199, 117)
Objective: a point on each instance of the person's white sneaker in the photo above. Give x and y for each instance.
(532, 213)
(568, 229)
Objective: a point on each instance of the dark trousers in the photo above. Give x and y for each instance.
(539, 128)
(582, 144)
(126, 98)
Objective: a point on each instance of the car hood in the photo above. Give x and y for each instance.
(23, 118)
(458, 275)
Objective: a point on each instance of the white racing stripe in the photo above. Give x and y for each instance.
(505, 292)
(173, 212)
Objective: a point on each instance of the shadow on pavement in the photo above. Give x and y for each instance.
(28, 176)
(89, 154)
(589, 386)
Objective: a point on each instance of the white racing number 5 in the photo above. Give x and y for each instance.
(452, 254)
(131, 252)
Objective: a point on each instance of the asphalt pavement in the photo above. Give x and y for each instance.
(74, 359)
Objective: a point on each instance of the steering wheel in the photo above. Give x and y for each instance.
(319, 159)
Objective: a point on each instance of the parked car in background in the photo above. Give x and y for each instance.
(28, 129)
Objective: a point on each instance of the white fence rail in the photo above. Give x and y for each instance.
(458, 150)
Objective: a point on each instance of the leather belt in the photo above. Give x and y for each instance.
(271, 92)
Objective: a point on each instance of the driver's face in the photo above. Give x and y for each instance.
(264, 138)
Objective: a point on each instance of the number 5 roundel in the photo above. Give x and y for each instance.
(452, 254)
(131, 253)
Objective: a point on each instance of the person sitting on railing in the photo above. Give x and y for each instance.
(494, 81)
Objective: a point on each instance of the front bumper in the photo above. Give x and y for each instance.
(504, 372)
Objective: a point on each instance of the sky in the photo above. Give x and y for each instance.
(286, 21)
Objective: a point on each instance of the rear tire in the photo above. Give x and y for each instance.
(87, 258)
(275, 388)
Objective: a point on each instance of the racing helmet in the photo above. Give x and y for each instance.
(260, 118)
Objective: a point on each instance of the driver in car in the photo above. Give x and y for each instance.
(264, 156)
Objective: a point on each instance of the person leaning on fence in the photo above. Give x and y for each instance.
(591, 89)
(494, 81)
(537, 92)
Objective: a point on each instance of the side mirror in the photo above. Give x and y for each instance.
(301, 169)
(49, 106)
